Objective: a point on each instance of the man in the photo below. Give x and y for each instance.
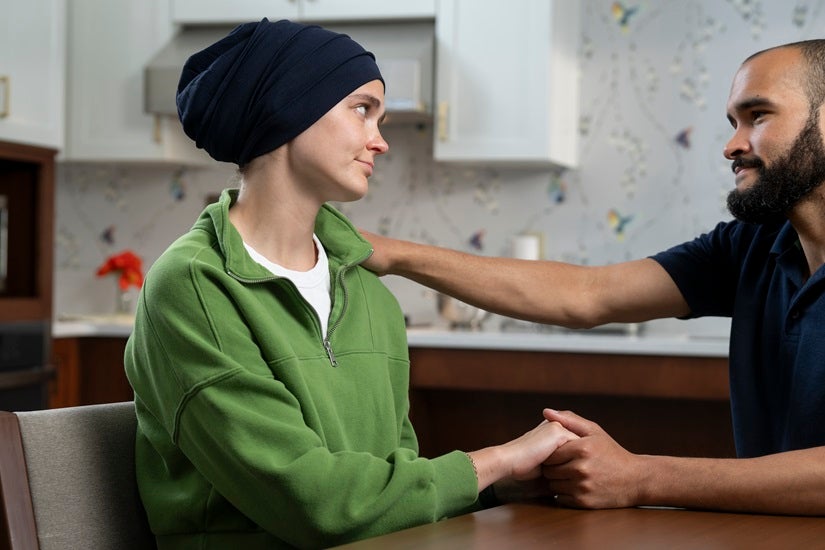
(765, 270)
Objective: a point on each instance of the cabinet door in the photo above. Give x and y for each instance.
(109, 46)
(27, 188)
(507, 85)
(32, 37)
(363, 10)
(236, 11)
(64, 388)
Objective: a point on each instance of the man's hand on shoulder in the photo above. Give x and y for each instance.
(379, 261)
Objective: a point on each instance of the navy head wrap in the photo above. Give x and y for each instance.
(265, 83)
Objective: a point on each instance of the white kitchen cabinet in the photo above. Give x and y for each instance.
(507, 82)
(236, 11)
(32, 72)
(364, 10)
(109, 43)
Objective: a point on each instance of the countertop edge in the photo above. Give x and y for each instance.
(674, 345)
(573, 343)
(81, 329)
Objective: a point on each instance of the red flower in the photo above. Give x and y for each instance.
(128, 264)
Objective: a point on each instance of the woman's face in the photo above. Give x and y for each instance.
(334, 157)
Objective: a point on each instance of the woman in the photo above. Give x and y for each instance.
(270, 370)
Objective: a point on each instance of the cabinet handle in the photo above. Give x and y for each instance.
(156, 130)
(443, 107)
(4, 99)
(4, 242)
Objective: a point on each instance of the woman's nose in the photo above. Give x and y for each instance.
(378, 144)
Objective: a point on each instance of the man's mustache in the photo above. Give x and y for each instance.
(743, 162)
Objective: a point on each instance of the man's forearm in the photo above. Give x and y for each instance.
(531, 290)
(785, 483)
(543, 291)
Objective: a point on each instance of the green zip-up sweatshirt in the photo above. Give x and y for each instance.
(257, 431)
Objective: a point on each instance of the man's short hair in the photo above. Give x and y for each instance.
(813, 52)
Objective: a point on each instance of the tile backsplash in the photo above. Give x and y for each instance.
(655, 76)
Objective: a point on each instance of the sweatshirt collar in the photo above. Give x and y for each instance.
(343, 243)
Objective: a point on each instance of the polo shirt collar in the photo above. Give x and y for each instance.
(788, 253)
(791, 258)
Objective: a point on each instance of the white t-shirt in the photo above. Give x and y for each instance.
(313, 284)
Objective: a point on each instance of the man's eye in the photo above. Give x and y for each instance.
(362, 110)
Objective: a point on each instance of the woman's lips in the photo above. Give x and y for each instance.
(368, 165)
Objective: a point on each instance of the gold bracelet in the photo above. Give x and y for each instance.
(473, 462)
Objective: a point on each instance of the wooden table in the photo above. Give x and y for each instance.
(525, 526)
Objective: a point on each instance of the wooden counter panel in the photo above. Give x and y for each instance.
(468, 420)
(89, 371)
(469, 399)
(570, 373)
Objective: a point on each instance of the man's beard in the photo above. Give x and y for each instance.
(782, 185)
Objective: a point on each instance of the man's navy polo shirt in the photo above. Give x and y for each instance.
(756, 275)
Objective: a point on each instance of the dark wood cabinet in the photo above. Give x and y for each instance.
(468, 399)
(26, 243)
(88, 371)
(26, 250)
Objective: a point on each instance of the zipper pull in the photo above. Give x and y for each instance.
(328, 347)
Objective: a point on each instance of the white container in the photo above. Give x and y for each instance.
(526, 246)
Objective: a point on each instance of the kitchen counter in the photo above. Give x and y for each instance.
(655, 392)
(99, 326)
(570, 341)
(120, 326)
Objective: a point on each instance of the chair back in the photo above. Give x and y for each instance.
(67, 478)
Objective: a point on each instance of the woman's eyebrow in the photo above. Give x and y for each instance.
(372, 100)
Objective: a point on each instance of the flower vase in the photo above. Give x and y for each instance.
(124, 301)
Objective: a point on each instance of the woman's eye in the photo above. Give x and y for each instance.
(362, 110)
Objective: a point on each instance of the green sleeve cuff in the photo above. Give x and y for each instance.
(456, 483)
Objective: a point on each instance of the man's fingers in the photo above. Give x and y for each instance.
(570, 420)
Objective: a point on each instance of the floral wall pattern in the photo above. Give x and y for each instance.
(655, 76)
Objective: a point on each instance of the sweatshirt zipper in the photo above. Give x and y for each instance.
(324, 339)
(333, 326)
(330, 353)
